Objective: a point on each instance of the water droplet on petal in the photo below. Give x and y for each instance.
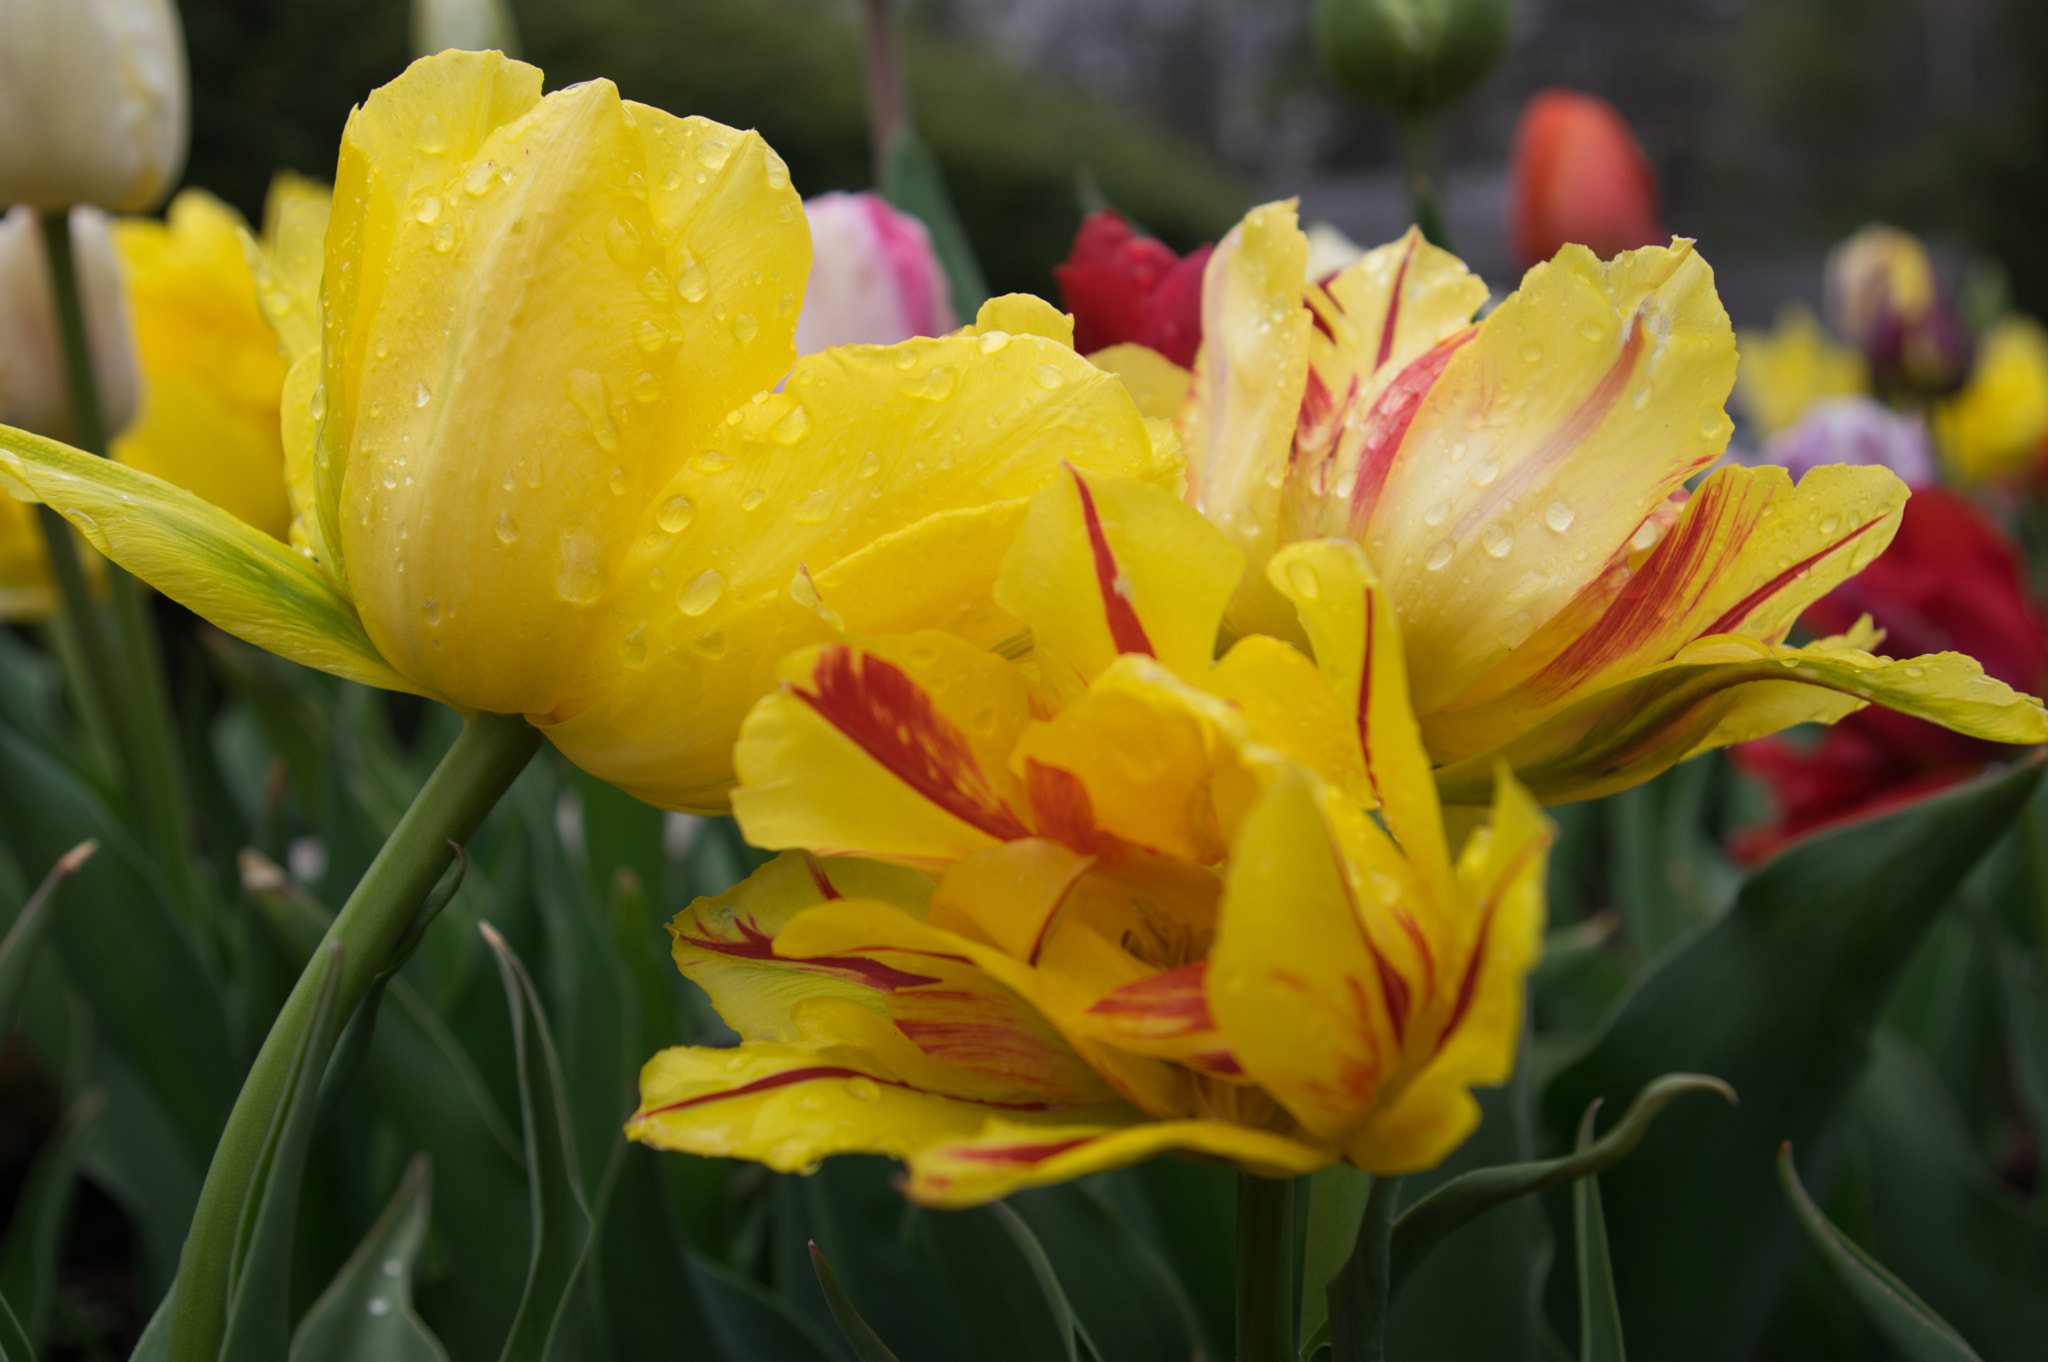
(1484, 472)
(507, 529)
(814, 509)
(421, 396)
(992, 341)
(586, 391)
(444, 237)
(1592, 330)
(1640, 398)
(752, 498)
(633, 647)
(622, 239)
(745, 327)
(870, 464)
(618, 483)
(430, 610)
(711, 461)
(905, 357)
(863, 1090)
(691, 281)
(701, 594)
(427, 209)
(580, 579)
(1050, 377)
(1829, 523)
(1532, 352)
(1302, 576)
(645, 388)
(1559, 516)
(672, 180)
(1498, 539)
(1439, 556)
(712, 153)
(935, 386)
(675, 515)
(1437, 514)
(480, 178)
(712, 645)
(318, 405)
(794, 425)
(777, 171)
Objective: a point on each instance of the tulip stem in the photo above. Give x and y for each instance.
(1361, 1294)
(1420, 160)
(1265, 1269)
(486, 758)
(884, 82)
(128, 681)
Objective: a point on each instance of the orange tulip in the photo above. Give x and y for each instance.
(1580, 176)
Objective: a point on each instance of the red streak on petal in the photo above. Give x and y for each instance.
(809, 1072)
(1018, 1153)
(1386, 424)
(1125, 632)
(1062, 808)
(1365, 701)
(758, 945)
(891, 718)
(1468, 987)
(1220, 1062)
(1745, 607)
(818, 878)
(1175, 1001)
(1393, 319)
(1395, 990)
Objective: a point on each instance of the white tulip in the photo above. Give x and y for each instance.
(471, 25)
(33, 392)
(94, 104)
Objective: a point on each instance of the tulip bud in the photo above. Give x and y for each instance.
(1411, 56)
(874, 280)
(1579, 176)
(33, 391)
(1128, 289)
(93, 104)
(1884, 298)
(469, 25)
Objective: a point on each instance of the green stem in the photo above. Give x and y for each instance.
(1359, 1298)
(490, 753)
(1265, 1269)
(132, 690)
(1419, 160)
(884, 81)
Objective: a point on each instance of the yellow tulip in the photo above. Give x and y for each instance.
(1520, 485)
(1794, 365)
(537, 459)
(209, 418)
(1997, 425)
(1048, 917)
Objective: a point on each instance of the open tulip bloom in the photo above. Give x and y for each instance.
(1519, 484)
(1051, 916)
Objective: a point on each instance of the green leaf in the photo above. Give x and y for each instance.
(1599, 1311)
(545, 1329)
(1905, 1320)
(42, 1215)
(1073, 1331)
(366, 1314)
(748, 1323)
(915, 184)
(1336, 1205)
(221, 568)
(866, 1344)
(1119, 1284)
(1941, 1220)
(24, 939)
(1779, 997)
(14, 1344)
(258, 1326)
(1426, 1224)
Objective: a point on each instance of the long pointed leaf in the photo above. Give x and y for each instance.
(1336, 1206)
(1425, 1224)
(1907, 1322)
(366, 1314)
(14, 1344)
(1779, 996)
(867, 1345)
(42, 1213)
(258, 1325)
(545, 1329)
(24, 939)
(1079, 1344)
(1599, 1311)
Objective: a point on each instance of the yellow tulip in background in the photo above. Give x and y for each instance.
(92, 102)
(536, 457)
(1046, 918)
(1997, 426)
(1520, 486)
(1792, 366)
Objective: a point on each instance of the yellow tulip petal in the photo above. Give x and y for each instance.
(1009, 1154)
(1726, 689)
(287, 263)
(1794, 365)
(1239, 421)
(1008, 895)
(27, 591)
(1350, 622)
(1022, 314)
(1748, 555)
(894, 750)
(1157, 384)
(1291, 705)
(1106, 566)
(1998, 424)
(1578, 404)
(200, 556)
(299, 432)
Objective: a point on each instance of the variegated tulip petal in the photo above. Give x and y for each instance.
(1292, 705)
(1106, 566)
(221, 568)
(1501, 875)
(1238, 425)
(1579, 403)
(894, 749)
(1749, 553)
(1728, 689)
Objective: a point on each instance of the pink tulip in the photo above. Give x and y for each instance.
(875, 279)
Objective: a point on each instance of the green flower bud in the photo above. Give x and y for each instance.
(1411, 56)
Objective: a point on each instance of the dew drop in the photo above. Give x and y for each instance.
(870, 464)
(427, 209)
(444, 238)
(633, 647)
(1711, 422)
(1830, 523)
(421, 396)
(618, 484)
(1437, 514)
(649, 335)
(905, 357)
(536, 474)
(752, 498)
(431, 137)
(1439, 557)
(1640, 398)
(646, 388)
(378, 1306)
(691, 281)
(701, 594)
(580, 579)
(1532, 352)
(1645, 538)
(390, 479)
(935, 386)
(586, 391)
(675, 515)
(318, 405)
(712, 153)
(745, 328)
(711, 461)
(1559, 516)
(622, 239)
(814, 509)
(794, 425)
(1303, 577)
(777, 172)
(712, 645)
(1592, 330)
(430, 610)
(672, 181)
(992, 341)
(636, 183)
(1050, 377)
(480, 179)
(1915, 672)
(654, 285)
(1457, 451)
(1497, 539)
(863, 1090)
(1484, 472)
(507, 529)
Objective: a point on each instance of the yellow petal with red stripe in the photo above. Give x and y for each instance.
(1578, 404)
(893, 749)
(1105, 566)
(1291, 705)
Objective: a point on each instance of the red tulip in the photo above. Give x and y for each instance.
(1580, 176)
(1951, 580)
(1124, 287)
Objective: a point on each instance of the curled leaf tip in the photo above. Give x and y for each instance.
(70, 861)
(260, 874)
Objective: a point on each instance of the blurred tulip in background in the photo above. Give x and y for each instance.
(1855, 430)
(1885, 298)
(1997, 426)
(1579, 175)
(1124, 288)
(874, 278)
(1790, 367)
(470, 25)
(33, 394)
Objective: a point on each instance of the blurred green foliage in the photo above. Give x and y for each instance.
(273, 83)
